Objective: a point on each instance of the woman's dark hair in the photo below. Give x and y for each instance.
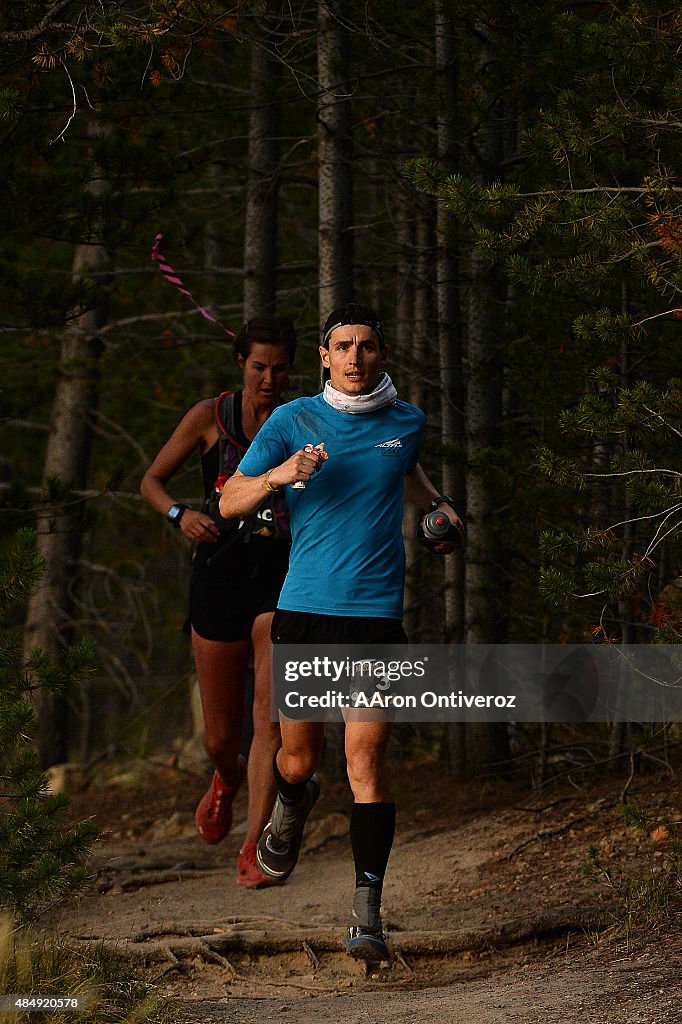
(268, 330)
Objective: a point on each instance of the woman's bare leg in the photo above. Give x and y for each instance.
(221, 667)
(266, 734)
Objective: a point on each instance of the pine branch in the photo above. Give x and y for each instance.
(636, 472)
(41, 855)
(663, 420)
(47, 24)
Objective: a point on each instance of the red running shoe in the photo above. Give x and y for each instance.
(248, 872)
(214, 814)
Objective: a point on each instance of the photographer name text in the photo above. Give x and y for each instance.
(329, 699)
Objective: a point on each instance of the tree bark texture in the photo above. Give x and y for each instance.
(402, 360)
(61, 524)
(334, 140)
(483, 391)
(260, 229)
(449, 321)
(487, 745)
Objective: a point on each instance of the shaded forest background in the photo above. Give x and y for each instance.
(501, 181)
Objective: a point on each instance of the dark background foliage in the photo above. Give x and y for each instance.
(501, 180)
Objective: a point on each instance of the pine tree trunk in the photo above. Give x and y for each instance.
(335, 205)
(621, 734)
(487, 745)
(418, 362)
(49, 619)
(260, 230)
(449, 325)
(402, 356)
(482, 430)
(450, 359)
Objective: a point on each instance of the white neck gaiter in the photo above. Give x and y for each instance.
(383, 394)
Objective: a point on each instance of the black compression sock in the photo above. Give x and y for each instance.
(290, 792)
(372, 827)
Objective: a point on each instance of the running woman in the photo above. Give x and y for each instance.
(235, 583)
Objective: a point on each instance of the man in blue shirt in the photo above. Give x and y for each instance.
(348, 458)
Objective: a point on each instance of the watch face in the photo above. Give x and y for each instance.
(174, 514)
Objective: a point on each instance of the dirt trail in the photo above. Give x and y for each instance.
(490, 919)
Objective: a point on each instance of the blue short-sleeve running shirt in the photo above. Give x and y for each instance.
(347, 555)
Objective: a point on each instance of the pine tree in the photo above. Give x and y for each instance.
(41, 855)
(586, 229)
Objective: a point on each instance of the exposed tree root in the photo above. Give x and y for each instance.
(270, 936)
(143, 878)
(547, 833)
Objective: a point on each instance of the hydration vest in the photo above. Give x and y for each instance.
(271, 519)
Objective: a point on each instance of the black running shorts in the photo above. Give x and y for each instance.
(227, 596)
(360, 635)
(312, 628)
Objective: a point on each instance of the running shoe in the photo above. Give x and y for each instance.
(365, 939)
(248, 872)
(214, 814)
(279, 846)
(366, 944)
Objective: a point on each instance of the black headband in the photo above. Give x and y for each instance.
(347, 315)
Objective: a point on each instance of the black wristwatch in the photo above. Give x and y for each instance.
(442, 499)
(175, 514)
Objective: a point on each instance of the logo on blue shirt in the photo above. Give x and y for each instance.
(392, 447)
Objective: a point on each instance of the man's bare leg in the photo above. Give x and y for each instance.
(372, 827)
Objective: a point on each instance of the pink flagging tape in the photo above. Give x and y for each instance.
(177, 282)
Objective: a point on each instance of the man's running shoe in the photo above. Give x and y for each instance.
(214, 814)
(248, 872)
(366, 944)
(365, 939)
(279, 846)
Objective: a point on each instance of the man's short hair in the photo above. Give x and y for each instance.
(352, 313)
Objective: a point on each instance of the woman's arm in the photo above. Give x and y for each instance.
(193, 431)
